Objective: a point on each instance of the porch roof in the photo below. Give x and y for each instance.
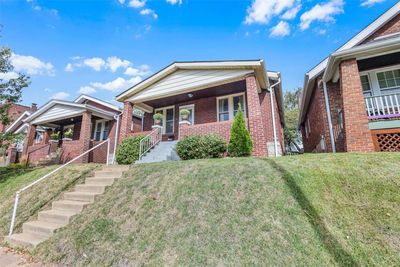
(56, 110)
(181, 77)
(16, 125)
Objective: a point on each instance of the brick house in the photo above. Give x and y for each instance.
(211, 91)
(351, 100)
(88, 121)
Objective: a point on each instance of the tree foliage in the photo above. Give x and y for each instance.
(291, 106)
(11, 86)
(240, 143)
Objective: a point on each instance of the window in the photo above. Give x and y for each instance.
(228, 106)
(389, 79)
(97, 134)
(191, 114)
(340, 119)
(168, 119)
(102, 129)
(105, 130)
(366, 85)
(39, 137)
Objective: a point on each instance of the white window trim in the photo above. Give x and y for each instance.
(165, 118)
(373, 79)
(103, 126)
(230, 105)
(191, 106)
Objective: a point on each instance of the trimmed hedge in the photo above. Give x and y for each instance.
(128, 150)
(201, 147)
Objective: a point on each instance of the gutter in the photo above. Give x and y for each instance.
(116, 117)
(328, 112)
(271, 90)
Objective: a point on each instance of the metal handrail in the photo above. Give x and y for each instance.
(149, 141)
(17, 194)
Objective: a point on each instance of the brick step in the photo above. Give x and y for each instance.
(99, 181)
(95, 188)
(56, 216)
(43, 228)
(72, 205)
(26, 240)
(80, 196)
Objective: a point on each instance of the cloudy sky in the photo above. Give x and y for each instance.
(103, 47)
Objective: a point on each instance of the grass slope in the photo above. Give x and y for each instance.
(311, 210)
(37, 197)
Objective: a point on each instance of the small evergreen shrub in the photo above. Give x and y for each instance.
(201, 147)
(128, 150)
(240, 143)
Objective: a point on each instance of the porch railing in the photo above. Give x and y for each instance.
(383, 106)
(14, 214)
(149, 141)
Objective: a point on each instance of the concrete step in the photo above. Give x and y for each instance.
(90, 188)
(28, 241)
(108, 174)
(56, 216)
(43, 228)
(120, 168)
(99, 181)
(72, 205)
(80, 196)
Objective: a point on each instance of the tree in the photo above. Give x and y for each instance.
(11, 86)
(240, 143)
(291, 106)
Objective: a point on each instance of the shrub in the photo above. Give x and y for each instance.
(240, 143)
(128, 150)
(201, 147)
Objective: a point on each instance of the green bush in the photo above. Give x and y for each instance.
(240, 143)
(128, 150)
(201, 147)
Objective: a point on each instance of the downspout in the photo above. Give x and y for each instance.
(328, 111)
(116, 117)
(271, 90)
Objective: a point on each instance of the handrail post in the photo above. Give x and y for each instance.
(108, 152)
(14, 214)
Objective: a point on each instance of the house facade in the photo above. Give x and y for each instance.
(351, 100)
(61, 130)
(212, 92)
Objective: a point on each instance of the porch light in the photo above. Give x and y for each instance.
(190, 95)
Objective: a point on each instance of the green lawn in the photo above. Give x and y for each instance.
(37, 197)
(310, 210)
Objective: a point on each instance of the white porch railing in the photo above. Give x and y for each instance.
(383, 106)
(149, 141)
(47, 175)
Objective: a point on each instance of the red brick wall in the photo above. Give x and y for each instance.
(13, 113)
(37, 152)
(126, 121)
(358, 135)
(99, 154)
(393, 26)
(70, 150)
(136, 124)
(221, 128)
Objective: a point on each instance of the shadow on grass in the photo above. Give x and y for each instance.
(342, 257)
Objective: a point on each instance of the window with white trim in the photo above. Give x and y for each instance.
(190, 108)
(101, 130)
(389, 79)
(228, 106)
(366, 85)
(168, 119)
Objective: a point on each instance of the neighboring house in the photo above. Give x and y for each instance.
(90, 121)
(351, 100)
(211, 91)
(17, 113)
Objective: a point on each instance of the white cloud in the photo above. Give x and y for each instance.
(292, 13)
(60, 96)
(31, 65)
(137, 3)
(262, 11)
(8, 76)
(69, 68)
(321, 12)
(148, 11)
(121, 2)
(117, 85)
(142, 70)
(87, 90)
(174, 2)
(370, 3)
(280, 30)
(114, 63)
(95, 63)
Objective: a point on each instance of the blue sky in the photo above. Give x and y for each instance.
(103, 47)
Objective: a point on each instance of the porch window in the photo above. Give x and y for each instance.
(389, 79)
(101, 130)
(39, 137)
(366, 86)
(168, 119)
(191, 114)
(228, 106)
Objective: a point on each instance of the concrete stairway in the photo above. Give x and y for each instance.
(161, 152)
(72, 203)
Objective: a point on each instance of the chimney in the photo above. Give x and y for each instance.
(34, 107)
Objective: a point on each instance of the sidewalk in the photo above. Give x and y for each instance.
(10, 258)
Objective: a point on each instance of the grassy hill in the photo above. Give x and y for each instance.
(311, 210)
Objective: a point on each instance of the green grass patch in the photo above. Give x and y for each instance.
(37, 197)
(310, 210)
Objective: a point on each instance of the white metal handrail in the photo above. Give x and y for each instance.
(383, 105)
(17, 194)
(149, 141)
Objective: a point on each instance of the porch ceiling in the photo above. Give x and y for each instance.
(379, 61)
(68, 121)
(225, 89)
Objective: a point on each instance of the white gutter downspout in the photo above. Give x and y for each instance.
(271, 91)
(328, 111)
(116, 117)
